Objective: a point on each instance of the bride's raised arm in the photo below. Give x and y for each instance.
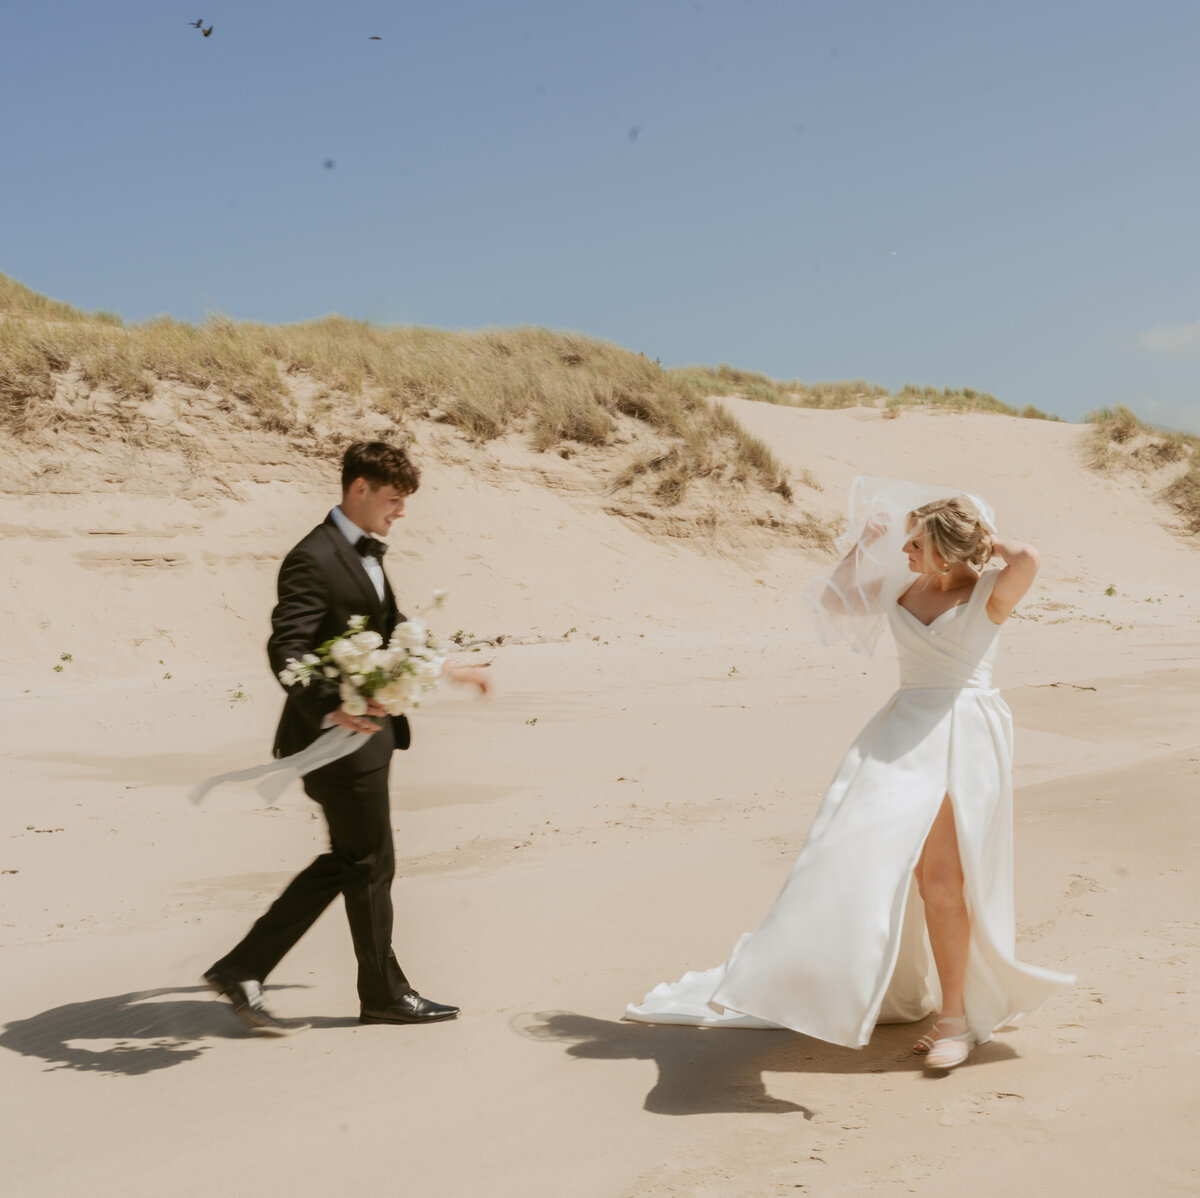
(854, 587)
(848, 605)
(1020, 569)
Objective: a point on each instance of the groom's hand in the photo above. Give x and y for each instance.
(360, 723)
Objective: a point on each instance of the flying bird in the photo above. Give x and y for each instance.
(207, 31)
(374, 38)
(329, 164)
(197, 24)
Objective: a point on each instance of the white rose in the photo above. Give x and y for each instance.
(391, 698)
(347, 691)
(364, 642)
(428, 671)
(310, 659)
(358, 623)
(287, 677)
(330, 672)
(356, 705)
(356, 680)
(410, 635)
(380, 659)
(341, 650)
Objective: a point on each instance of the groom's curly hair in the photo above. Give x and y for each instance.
(382, 465)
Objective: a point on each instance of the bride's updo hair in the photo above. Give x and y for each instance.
(952, 529)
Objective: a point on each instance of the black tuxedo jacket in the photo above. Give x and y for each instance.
(322, 583)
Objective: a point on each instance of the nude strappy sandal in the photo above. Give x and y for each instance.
(947, 1044)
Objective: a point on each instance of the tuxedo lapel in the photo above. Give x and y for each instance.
(355, 572)
(394, 615)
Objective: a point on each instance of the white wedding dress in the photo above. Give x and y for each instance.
(844, 946)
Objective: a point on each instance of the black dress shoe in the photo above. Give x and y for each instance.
(412, 1008)
(248, 1005)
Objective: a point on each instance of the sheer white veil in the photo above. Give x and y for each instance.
(849, 603)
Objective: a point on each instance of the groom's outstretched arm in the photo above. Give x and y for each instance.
(295, 628)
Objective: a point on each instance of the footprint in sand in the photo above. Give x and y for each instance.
(914, 1169)
(980, 1105)
(1068, 1036)
(1082, 884)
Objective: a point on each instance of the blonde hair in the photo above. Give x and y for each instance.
(953, 530)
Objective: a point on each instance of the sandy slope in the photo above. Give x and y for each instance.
(623, 809)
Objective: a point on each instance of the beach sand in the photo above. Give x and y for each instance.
(622, 809)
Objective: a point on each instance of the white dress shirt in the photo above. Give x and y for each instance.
(354, 534)
(372, 565)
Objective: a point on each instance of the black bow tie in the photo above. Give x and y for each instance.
(370, 547)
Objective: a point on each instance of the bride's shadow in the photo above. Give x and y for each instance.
(720, 1070)
(130, 1034)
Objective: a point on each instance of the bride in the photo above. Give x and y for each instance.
(910, 853)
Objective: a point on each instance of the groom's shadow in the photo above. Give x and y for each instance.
(719, 1070)
(130, 1034)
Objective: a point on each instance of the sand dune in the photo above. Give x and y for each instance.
(623, 809)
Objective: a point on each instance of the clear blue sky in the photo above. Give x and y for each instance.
(994, 195)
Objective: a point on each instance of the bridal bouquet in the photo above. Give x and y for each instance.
(395, 675)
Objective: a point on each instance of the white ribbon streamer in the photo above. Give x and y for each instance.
(277, 776)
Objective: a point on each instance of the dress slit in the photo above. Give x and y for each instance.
(910, 991)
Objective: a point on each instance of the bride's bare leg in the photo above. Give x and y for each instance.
(940, 882)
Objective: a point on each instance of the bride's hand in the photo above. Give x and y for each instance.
(875, 528)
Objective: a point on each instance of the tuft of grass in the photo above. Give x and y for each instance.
(1167, 447)
(1111, 426)
(1184, 496)
(1119, 438)
(1117, 433)
(965, 399)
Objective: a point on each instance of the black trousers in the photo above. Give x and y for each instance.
(360, 866)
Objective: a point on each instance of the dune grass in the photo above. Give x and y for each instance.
(17, 298)
(848, 393)
(1119, 439)
(1117, 434)
(557, 387)
(750, 384)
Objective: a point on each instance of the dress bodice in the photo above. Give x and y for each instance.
(957, 649)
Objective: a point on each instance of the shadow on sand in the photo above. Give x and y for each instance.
(720, 1070)
(132, 1034)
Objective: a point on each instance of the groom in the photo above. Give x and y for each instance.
(334, 573)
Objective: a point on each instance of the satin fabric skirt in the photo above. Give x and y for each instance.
(844, 946)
